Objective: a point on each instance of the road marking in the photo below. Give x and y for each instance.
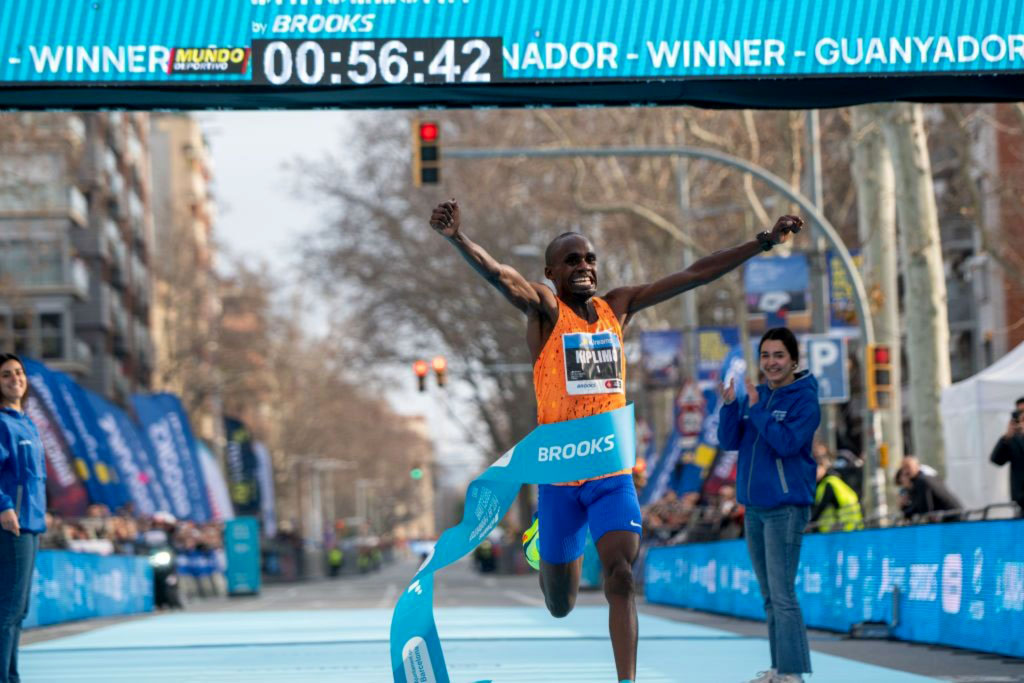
(523, 598)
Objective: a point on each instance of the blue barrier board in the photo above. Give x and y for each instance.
(67, 586)
(959, 584)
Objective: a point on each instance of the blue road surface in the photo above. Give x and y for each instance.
(506, 644)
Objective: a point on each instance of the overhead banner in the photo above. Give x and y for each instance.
(72, 411)
(421, 52)
(166, 426)
(65, 493)
(243, 468)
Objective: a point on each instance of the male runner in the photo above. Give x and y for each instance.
(575, 340)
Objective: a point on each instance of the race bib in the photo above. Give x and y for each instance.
(593, 363)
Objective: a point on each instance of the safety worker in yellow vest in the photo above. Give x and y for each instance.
(836, 505)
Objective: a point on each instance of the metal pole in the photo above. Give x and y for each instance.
(820, 299)
(692, 351)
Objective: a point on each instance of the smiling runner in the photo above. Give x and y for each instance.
(575, 340)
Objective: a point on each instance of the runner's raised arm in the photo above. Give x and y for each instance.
(446, 220)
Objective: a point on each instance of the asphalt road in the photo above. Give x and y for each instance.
(460, 586)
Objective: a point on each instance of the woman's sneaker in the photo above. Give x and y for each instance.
(788, 678)
(531, 541)
(768, 676)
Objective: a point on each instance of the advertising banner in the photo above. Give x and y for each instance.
(130, 459)
(242, 548)
(68, 404)
(166, 426)
(68, 586)
(216, 487)
(776, 289)
(265, 476)
(660, 357)
(954, 584)
(243, 469)
(280, 45)
(65, 494)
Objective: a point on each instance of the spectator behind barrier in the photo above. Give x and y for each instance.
(1010, 449)
(925, 494)
(836, 504)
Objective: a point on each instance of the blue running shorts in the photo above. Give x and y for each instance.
(608, 504)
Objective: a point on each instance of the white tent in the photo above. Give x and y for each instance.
(975, 413)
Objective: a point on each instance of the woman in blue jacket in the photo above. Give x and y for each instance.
(773, 429)
(22, 509)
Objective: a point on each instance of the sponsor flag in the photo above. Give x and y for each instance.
(243, 469)
(216, 487)
(265, 475)
(72, 411)
(65, 494)
(166, 426)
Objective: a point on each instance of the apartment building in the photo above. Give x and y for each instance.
(75, 234)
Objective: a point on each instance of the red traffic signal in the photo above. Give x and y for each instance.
(880, 376)
(881, 354)
(421, 369)
(428, 131)
(441, 370)
(426, 153)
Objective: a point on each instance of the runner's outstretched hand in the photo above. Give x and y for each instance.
(446, 218)
(783, 227)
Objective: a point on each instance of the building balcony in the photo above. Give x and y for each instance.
(46, 201)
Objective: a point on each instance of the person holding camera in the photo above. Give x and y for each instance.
(1010, 449)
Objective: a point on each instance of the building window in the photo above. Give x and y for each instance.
(51, 335)
(30, 263)
(37, 335)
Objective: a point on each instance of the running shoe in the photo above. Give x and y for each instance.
(531, 544)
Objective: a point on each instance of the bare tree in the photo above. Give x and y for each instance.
(921, 256)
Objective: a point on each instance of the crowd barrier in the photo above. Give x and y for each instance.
(958, 584)
(68, 586)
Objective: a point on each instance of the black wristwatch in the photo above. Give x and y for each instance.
(765, 238)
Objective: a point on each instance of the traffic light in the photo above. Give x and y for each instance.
(426, 153)
(441, 370)
(416, 473)
(420, 368)
(879, 376)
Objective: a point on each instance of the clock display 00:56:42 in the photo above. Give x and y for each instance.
(376, 62)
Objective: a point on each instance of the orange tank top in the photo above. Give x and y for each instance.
(581, 370)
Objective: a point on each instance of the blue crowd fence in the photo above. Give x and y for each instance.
(959, 584)
(68, 586)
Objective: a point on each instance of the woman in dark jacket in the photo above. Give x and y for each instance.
(22, 509)
(773, 429)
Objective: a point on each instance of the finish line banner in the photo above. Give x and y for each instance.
(307, 45)
(563, 451)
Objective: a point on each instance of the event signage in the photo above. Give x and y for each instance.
(131, 464)
(586, 447)
(954, 584)
(242, 468)
(287, 47)
(68, 586)
(66, 401)
(65, 494)
(826, 360)
(166, 426)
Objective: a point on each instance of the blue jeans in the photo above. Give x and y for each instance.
(17, 561)
(773, 540)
